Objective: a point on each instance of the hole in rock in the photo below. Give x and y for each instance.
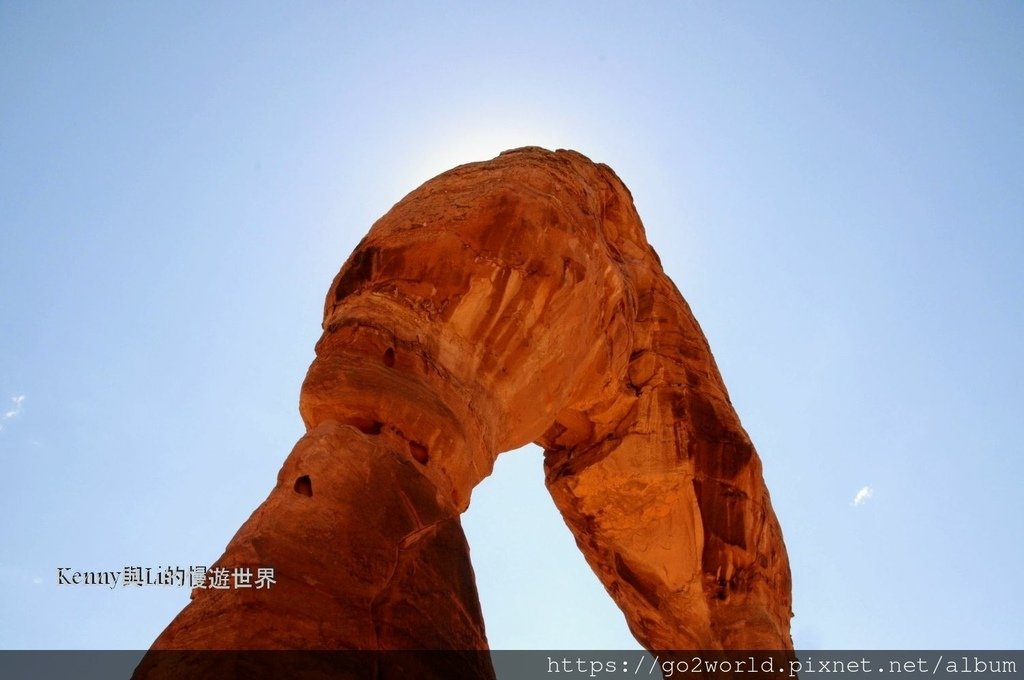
(419, 452)
(389, 357)
(536, 589)
(304, 486)
(371, 428)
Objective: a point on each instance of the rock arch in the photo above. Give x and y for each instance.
(509, 301)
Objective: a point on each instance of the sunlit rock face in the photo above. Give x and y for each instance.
(509, 301)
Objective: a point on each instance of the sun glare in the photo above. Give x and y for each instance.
(460, 144)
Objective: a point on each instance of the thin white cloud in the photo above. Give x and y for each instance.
(13, 411)
(863, 495)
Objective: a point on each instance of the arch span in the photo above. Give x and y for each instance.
(509, 301)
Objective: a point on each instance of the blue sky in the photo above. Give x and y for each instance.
(836, 188)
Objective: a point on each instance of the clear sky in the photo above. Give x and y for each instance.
(836, 188)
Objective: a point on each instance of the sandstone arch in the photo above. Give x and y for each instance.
(505, 302)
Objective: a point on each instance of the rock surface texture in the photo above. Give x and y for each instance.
(509, 301)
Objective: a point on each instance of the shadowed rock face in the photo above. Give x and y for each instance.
(505, 302)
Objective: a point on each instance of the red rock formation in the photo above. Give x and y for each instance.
(505, 302)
